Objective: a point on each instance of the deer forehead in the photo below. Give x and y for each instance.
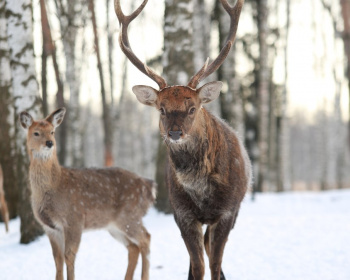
(178, 98)
(43, 126)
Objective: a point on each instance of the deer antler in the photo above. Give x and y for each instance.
(206, 70)
(125, 46)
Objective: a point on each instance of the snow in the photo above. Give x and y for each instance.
(279, 236)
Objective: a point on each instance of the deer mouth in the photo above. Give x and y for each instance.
(178, 141)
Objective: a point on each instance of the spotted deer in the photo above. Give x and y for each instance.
(3, 206)
(209, 170)
(67, 201)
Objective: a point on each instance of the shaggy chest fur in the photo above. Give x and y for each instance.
(191, 169)
(194, 173)
(209, 173)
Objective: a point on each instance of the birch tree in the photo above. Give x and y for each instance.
(7, 124)
(71, 19)
(201, 33)
(177, 69)
(25, 96)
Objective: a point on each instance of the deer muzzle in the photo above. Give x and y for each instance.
(175, 135)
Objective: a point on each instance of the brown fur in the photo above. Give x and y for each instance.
(67, 201)
(208, 174)
(3, 205)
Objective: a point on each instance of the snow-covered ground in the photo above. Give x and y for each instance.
(278, 237)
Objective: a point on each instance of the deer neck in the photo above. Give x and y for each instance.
(44, 174)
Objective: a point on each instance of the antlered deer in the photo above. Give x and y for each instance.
(67, 201)
(209, 170)
(3, 206)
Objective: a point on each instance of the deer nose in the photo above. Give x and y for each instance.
(175, 135)
(49, 144)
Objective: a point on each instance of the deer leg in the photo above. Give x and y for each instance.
(145, 251)
(134, 252)
(218, 238)
(143, 242)
(191, 232)
(137, 240)
(57, 245)
(72, 241)
(207, 246)
(207, 250)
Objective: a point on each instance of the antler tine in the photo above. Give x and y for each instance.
(200, 73)
(234, 13)
(125, 45)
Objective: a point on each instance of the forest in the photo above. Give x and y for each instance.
(286, 87)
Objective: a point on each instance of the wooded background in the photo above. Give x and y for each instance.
(286, 87)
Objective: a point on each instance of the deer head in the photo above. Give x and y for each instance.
(178, 105)
(41, 134)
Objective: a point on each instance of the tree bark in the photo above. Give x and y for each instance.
(7, 124)
(25, 95)
(201, 34)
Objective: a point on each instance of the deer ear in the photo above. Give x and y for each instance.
(26, 120)
(146, 95)
(56, 117)
(209, 91)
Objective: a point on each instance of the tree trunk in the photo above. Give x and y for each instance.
(70, 21)
(25, 95)
(7, 123)
(283, 179)
(201, 34)
(108, 141)
(263, 95)
(177, 69)
(49, 48)
(110, 40)
(345, 11)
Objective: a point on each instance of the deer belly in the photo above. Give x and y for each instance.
(96, 218)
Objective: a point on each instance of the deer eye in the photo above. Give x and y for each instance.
(162, 111)
(191, 111)
(36, 134)
(52, 132)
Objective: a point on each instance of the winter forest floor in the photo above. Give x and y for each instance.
(277, 237)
